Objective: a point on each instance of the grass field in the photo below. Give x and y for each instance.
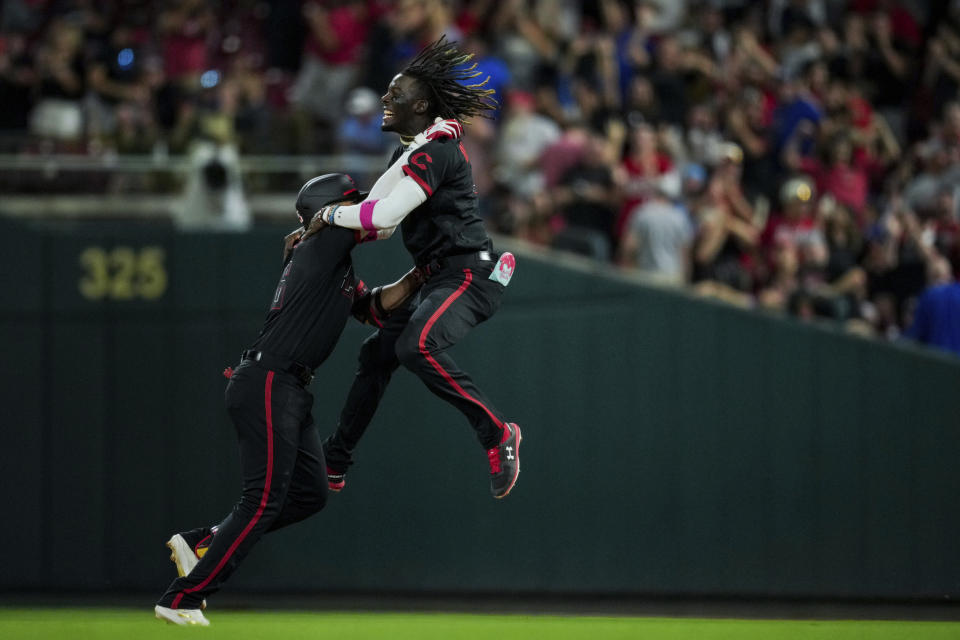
(128, 624)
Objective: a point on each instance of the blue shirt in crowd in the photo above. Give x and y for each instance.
(936, 321)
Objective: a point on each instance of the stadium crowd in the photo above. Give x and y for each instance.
(796, 155)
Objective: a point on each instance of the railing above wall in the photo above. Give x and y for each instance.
(126, 206)
(181, 163)
(148, 186)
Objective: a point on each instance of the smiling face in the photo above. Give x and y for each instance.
(404, 107)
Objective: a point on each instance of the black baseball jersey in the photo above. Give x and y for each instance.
(448, 222)
(313, 299)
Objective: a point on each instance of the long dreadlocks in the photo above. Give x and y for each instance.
(441, 67)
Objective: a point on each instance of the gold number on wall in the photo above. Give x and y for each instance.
(95, 281)
(122, 266)
(123, 273)
(152, 272)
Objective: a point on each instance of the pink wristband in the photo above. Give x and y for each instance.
(366, 214)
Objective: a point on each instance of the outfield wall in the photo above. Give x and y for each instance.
(671, 445)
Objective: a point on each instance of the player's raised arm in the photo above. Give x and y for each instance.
(405, 186)
(372, 215)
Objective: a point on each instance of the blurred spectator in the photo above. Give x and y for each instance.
(479, 142)
(134, 130)
(895, 263)
(704, 141)
(394, 39)
(938, 160)
(333, 50)
(586, 199)
(528, 35)
(828, 281)
(359, 131)
(562, 155)
(794, 225)
(661, 16)
(835, 173)
(942, 72)
(17, 79)
(114, 77)
(643, 165)
(797, 115)
(525, 134)
(253, 118)
(842, 272)
(936, 319)
(944, 225)
(185, 26)
(798, 46)
(61, 69)
(668, 79)
(727, 235)
(641, 103)
(749, 125)
(658, 235)
(882, 58)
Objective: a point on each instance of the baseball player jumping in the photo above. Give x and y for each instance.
(281, 455)
(429, 191)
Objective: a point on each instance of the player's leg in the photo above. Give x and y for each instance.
(267, 412)
(451, 305)
(376, 363)
(308, 485)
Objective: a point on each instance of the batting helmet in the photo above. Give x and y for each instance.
(323, 190)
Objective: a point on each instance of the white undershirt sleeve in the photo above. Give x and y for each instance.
(385, 213)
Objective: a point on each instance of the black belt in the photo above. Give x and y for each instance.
(303, 373)
(455, 262)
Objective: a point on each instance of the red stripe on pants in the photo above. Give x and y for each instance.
(263, 499)
(436, 365)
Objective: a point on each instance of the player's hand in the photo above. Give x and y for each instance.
(290, 241)
(316, 223)
(444, 129)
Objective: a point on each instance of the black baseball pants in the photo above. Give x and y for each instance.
(284, 479)
(417, 336)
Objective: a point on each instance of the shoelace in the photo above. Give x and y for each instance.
(494, 456)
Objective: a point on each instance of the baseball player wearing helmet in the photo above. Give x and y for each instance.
(429, 191)
(281, 455)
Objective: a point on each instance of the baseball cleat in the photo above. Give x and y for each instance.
(505, 461)
(182, 617)
(182, 554)
(336, 479)
(187, 548)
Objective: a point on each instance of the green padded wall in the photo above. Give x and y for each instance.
(671, 445)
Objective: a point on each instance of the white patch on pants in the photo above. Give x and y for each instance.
(503, 270)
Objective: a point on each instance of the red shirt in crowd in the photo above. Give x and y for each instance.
(351, 25)
(636, 170)
(848, 183)
(782, 231)
(185, 52)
